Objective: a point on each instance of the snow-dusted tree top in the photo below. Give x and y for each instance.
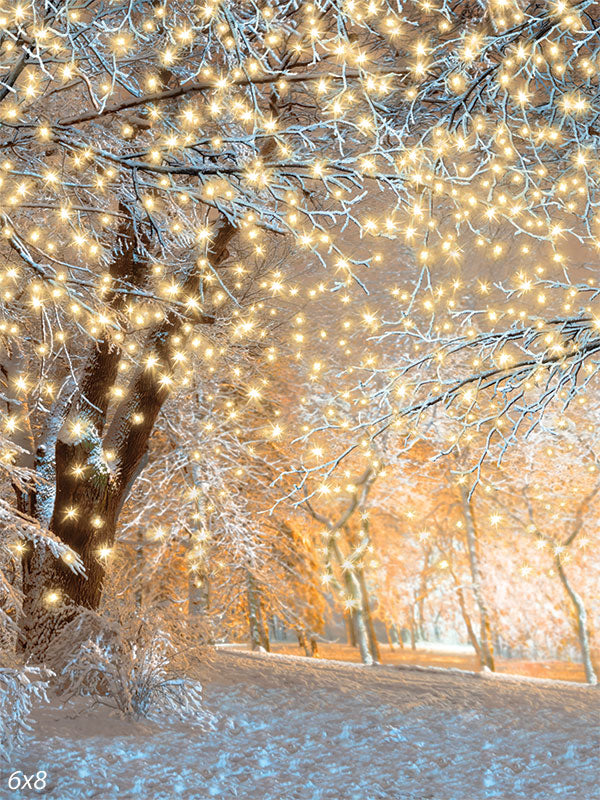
(157, 132)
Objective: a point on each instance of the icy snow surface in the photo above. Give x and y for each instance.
(289, 728)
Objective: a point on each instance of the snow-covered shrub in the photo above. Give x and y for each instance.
(20, 688)
(129, 666)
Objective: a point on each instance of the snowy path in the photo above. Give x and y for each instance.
(293, 729)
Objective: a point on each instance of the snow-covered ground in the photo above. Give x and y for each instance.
(288, 728)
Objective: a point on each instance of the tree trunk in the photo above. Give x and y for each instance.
(198, 582)
(88, 493)
(253, 626)
(366, 605)
(467, 621)
(273, 627)
(198, 594)
(262, 625)
(140, 561)
(389, 637)
(354, 594)
(53, 593)
(302, 641)
(396, 635)
(391, 632)
(362, 634)
(413, 639)
(350, 628)
(486, 648)
(581, 622)
(420, 624)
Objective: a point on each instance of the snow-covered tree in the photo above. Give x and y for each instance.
(148, 145)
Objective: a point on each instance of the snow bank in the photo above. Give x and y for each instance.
(290, 728)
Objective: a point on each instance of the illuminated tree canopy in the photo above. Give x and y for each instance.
(265, 266)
